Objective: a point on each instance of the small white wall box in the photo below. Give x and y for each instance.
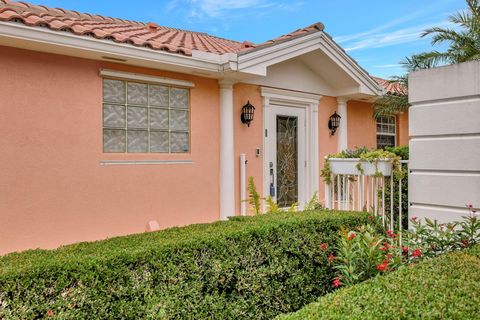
(152, 225)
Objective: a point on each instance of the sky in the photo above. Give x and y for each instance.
(377, 34)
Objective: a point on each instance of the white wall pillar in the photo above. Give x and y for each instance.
(342, 131)
(227, 177)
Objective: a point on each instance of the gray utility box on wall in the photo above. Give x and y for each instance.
(444, 141)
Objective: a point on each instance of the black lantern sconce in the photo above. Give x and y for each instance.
(247, 113)
(334, 122)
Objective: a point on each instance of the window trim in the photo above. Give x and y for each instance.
(132, 77)
(387, 133)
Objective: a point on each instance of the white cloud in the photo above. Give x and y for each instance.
(390, 38)
(386, 66)
(215, 8)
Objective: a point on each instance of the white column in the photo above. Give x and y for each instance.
(343, 129)
(314, 150)
(227, 177)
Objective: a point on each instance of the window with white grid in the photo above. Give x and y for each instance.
(145, 118)
(386, 131)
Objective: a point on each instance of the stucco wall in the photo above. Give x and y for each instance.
(445, 141)
(362, 130)
(247, 139)
(53, 189)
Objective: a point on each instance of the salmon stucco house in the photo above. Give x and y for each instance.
(107, 125)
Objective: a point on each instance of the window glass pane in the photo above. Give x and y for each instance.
(113, 91)
(113, 116)
(178, 120)
(158, 96)
(178, 98)
(158, 118)
(113, 140)
(137, 141)
(178, 142)
(137, 93)
(158, 141)
(137, 117)
(141, 117)
(385, 141)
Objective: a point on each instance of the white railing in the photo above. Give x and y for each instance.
(364, 190)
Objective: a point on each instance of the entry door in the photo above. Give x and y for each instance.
(285, 156)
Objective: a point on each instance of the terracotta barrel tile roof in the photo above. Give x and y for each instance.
(139, 34)
(391, 87)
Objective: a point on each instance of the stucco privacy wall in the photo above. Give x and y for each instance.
(53, 189)
(445, 141)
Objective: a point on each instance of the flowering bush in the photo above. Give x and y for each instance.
(431, 238)
(363, 254)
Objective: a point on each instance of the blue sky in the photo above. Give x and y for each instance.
(378, 34)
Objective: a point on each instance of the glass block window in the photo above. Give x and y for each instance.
(386, 131)
(145, 118)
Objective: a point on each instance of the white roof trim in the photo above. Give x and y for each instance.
(286, 95)
(257, 61)
(121, 50)
(145, 78)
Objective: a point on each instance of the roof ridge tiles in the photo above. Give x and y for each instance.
(174, 40)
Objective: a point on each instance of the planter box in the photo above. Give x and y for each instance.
(349, 167)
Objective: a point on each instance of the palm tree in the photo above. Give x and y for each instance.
(395, 103)
(463, 45)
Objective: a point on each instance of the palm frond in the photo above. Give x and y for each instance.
(390, 105)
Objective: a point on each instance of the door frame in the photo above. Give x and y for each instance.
(309, 102)
(271, 152)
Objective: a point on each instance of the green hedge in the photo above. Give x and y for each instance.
(447, 287)
(247, 268)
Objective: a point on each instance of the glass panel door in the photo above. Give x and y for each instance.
(287, 160)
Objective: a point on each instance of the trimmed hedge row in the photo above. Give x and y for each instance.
(246, 268)
(447, 287)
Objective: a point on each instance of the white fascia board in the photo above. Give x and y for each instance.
(278, 52)
(279, 94)
(257, 61)
(83, 43)
(340, 56)
(145, 78)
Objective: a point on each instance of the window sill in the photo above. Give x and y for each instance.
(144, 162)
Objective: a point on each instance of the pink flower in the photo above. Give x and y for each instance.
(391, 234)
(50, 313)
(417, 253)
(336, 283)
(469, 206)
(323, 246)
(405, 249)
(382, 267)
(331, 257)
(414, 218)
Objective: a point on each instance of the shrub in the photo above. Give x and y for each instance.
(402, 152)
(364, 253)
(442, 288)
(432, 238)
(246, 268)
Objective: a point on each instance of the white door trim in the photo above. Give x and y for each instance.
(277, 97)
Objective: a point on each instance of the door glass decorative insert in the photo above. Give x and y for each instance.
(142, 117)
(287, 160)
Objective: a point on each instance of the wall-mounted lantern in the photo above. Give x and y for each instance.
(247, 113)
(334, 122)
